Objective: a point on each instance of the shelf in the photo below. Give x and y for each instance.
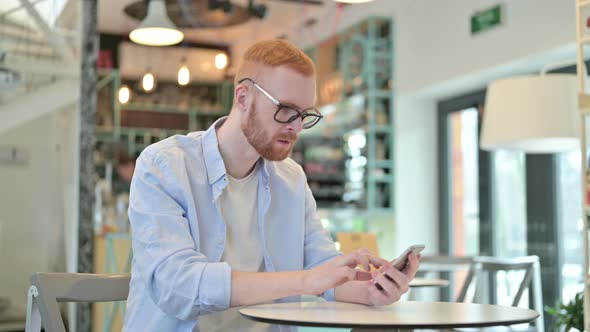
(383, 129)
(328, 197)
(383, 179)
(379, 94)
(171, 109)
(325, 178)
(384, 164)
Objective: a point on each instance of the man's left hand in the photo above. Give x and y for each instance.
(389, 284)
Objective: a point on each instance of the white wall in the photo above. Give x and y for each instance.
(416, 186)
(36, 219)
(437, 58)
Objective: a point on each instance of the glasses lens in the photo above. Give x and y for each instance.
(286, 114)
(310, 121)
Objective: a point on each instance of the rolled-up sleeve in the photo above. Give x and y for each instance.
(178, 278)
(319, 246)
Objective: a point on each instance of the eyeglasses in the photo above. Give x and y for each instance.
(288, 113)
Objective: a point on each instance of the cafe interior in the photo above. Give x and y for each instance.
(457, 125)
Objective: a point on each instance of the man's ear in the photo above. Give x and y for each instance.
(241, 97)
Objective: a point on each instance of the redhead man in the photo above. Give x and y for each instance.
(223, 218)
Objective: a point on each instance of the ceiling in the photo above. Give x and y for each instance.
(281, 16)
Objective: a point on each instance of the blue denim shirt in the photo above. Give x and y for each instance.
(178, 233)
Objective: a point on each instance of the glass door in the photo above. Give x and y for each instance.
(464, 183)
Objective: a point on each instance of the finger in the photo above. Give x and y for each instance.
(362, 275)
(412, 266)
(365, 262)
(345, 274)
(365, 251)
(376, 296)
(400, 279)
(378, 262)
(351, 259)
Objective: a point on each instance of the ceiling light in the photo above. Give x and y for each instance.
(533, 114)
(221, 60)
(124, 94)
(148, 82)
(184, 74)
(156, 29)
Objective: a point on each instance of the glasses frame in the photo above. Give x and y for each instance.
(300, 114)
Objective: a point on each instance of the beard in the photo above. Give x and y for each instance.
(268, 147)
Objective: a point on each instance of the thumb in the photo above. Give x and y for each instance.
(362, 275)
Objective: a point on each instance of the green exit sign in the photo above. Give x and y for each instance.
(486, 19)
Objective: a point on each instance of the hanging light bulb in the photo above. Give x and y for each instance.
(148, 81)
(156, 29)
(184, 74)
(124, 94)
(220, 60)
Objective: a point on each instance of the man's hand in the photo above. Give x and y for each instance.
(389, 284)
(393, 284)
(340, 270)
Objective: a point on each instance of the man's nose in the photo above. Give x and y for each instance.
(295, 125)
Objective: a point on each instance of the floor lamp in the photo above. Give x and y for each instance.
(535, 114)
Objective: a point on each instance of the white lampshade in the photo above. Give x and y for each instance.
(156, 29)
(532, 114)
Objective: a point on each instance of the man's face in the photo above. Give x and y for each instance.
(273, 140)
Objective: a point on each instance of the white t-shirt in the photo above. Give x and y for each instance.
(243, 248)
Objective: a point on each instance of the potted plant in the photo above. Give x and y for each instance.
(569, 315)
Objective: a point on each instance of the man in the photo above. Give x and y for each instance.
(223, 218)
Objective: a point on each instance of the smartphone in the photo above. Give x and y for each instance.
(402, 260)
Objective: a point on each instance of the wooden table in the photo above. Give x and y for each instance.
(400, 316)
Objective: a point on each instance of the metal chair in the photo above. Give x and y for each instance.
(448, 264)
(48, 289)
(486, 268)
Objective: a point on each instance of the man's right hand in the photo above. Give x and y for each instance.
(339, 271)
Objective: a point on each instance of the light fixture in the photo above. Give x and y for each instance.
(124, 94)
(221, 60)
(257, 10)
(156, 29)
(148, 81)
(353, 1)
(533, 114)
(184, 74)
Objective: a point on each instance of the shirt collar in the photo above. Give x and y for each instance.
(213, 160)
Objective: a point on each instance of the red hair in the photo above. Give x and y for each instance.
(274, 53)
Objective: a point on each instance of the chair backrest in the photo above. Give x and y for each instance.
(486, 268)
(450, 264)
(480, 271)
(48, 289)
